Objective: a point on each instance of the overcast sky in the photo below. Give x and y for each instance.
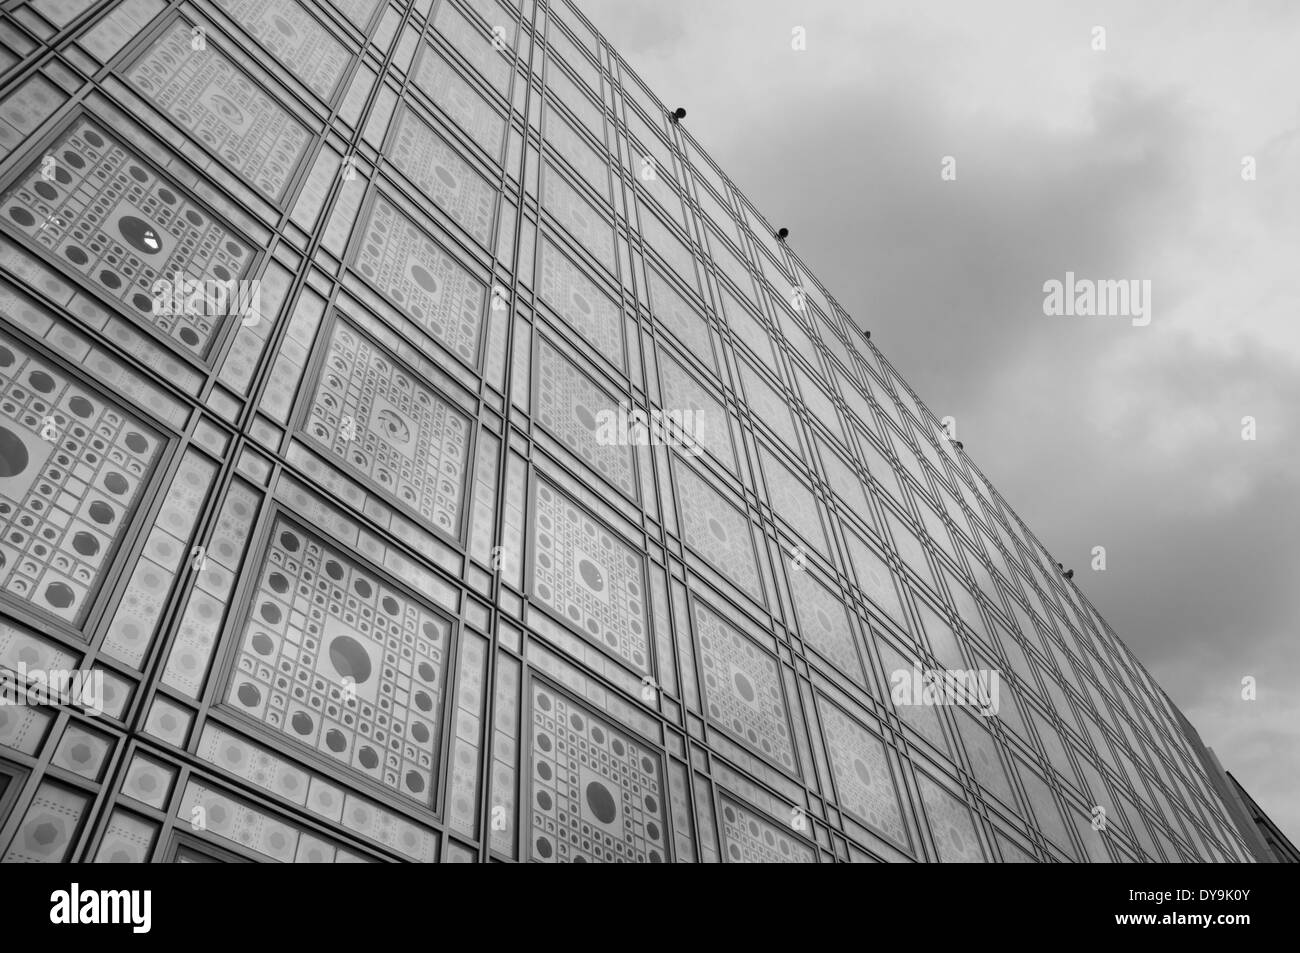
(1122, 164)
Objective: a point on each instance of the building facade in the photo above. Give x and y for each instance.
(421, 451)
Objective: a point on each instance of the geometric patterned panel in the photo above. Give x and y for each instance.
(950, 823)
(718, 531)
(750, 333)
(681, 392)
(731, 266)
(670, 248)
(578, 217)
(127, 840)
(359, 12)
(420, 279)
(943, 641)
(583, 305)
(272, 772)
(569, 404)
(22, 727)
(82, 752)
(748, 838)
(922, 718)
(443, 176)
(908, 546)
(295, 39)
(824, 624)
(742, 689)
(820, 404)
(72, 467)
(830, 337)
(589, 577)
(845, 481)
(575, 59)
(858, 403)
(469, 42)
(391, 428)
(766, 405)
(335, 659)
(672, 311)
(1046, 811)
(166, 548)
(578, 153)
(577, 100)
(124, 228)
(48, 829)
(984, 759)
(459, 100)
(251, 828)
(666, 198)
(596, 794)
(200, 626)
(875, 577)
(863, 780)
(793, 501)
(203, 92)
(149, 782)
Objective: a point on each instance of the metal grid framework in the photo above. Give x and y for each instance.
(360, 583)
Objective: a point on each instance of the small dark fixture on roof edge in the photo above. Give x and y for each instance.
(782, 234)
(677, 115)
